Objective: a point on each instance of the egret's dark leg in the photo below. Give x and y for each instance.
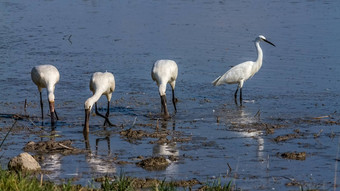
(105, 117)
(108, 109)
(97, 112)
(56, 115)
(174, 99)
(42, 107)
(235, 95)
(162, 106)
(107, 112)
(241, 96)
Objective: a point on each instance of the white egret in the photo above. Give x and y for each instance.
(100, 84)
(163, 72)
(242, 72)
(46, 76)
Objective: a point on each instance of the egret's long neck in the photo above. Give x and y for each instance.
(93, 99)
(258, 62)
(50, 93)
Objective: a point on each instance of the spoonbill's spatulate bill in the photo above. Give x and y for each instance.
(100, 84)
(46, 76)
(164, 72)
(242, 72)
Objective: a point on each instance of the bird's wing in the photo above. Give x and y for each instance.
(235, 74)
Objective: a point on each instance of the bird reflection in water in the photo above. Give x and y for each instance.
(52, 162)
(240, 120)
(99, 163)
(168, 148)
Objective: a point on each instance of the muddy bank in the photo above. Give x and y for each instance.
(293, 155)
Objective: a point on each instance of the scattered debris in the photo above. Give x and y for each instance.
(133, 135)
(294, 155)
(286, 137)
(154, 163)
(50, 147)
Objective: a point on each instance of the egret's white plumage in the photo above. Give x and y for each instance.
(100, 84)
(242, 72)
(46, 76)
(164, 72)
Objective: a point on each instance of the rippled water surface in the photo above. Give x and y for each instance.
(299, 80)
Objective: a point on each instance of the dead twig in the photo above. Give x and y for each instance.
(8, 133)
(258, 114)
(229, 167)
(316, 135)
(321, 117)
(64, 146)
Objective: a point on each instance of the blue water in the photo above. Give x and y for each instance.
(299, 79)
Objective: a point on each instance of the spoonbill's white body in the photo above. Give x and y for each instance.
(164, 72)
(242, 72)
(100, 84)
(46, 76)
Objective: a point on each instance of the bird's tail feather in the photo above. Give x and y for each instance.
(215, 82)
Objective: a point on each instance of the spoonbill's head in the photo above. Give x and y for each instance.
(88, 104)
(262, 38)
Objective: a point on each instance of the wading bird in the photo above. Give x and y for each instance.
(100, 84)
(242, 72)
(46, 76)
(163, 72)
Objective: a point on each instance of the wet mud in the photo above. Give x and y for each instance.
(154, 163)
(293, 155)
(52, 147)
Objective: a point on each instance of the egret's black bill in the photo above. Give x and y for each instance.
(268, 42)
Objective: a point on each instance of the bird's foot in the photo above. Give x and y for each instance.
(107, 121)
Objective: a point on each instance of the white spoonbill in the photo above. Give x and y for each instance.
(242, 72)
(46, 76)
(100, 84)
(163, 72)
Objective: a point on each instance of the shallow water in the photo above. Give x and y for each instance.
(299, 79)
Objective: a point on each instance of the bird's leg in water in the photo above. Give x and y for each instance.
(162, 106)
(42, 107)
(52, 119)
(56, 115)
(106, 118)
(107, 112)
(241, 96)
(174, 99)
(166, 113)
(108, 109)
(97, 113)
(235, 95)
